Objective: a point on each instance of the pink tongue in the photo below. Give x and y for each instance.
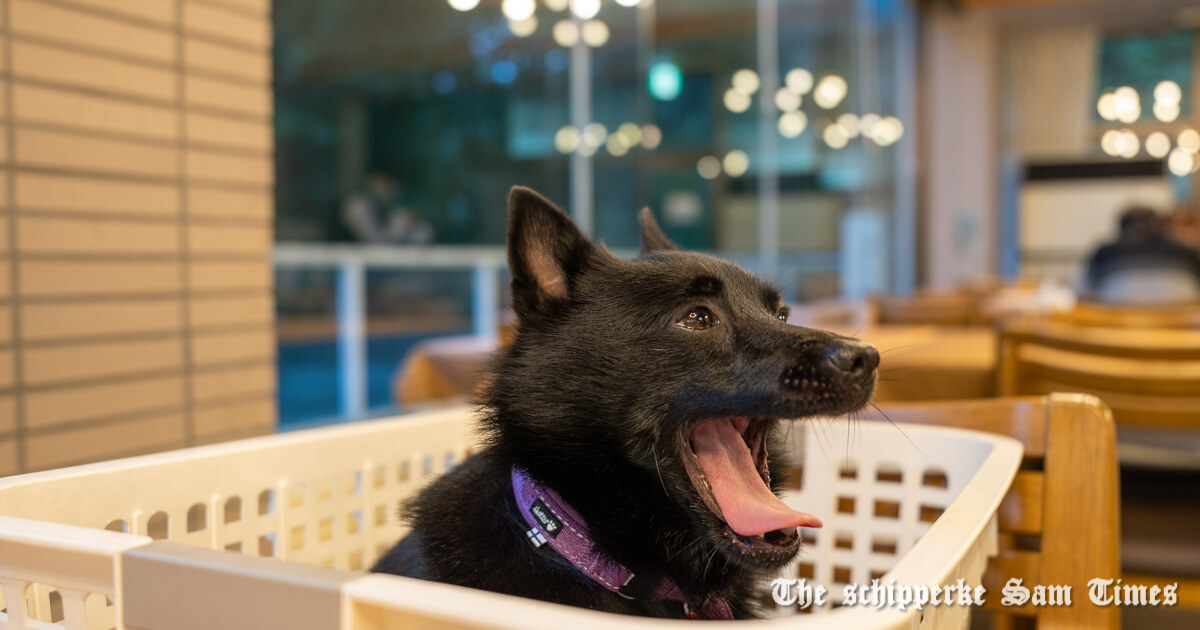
(745, 501)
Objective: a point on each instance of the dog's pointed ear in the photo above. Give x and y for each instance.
(653, 239)
(545, 249)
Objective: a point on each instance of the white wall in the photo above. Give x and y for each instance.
(960, 75)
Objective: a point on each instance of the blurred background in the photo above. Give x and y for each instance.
(840, 148)
(227, 218)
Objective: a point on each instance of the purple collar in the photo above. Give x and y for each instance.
(551, 521)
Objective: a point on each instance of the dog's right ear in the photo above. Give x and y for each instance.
(653, 239)
(545, 250)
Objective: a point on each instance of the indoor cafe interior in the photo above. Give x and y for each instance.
(243, 236)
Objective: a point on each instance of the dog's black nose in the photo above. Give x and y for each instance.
(852, 356)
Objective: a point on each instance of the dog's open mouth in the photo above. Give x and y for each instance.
(728, 467)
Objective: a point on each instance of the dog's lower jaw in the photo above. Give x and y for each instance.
(768, 550)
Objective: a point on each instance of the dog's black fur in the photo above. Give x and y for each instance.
(595, 397)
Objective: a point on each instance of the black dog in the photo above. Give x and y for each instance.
(633, 413)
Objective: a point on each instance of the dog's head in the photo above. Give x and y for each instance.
(667, 375)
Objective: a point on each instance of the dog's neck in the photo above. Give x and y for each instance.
(554, 522)
(632, 518)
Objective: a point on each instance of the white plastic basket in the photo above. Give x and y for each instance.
(328, 497)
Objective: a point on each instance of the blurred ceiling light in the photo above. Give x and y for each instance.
(523, 28)
(1128, 145)
(1180, 162)
(1166, 113)
(736, 163)
(1127, 104)
(867, 124)
(557, 5)
(1130, 116)
(735, 101)
(594, 134)
(517, 10)
(850, 123)
(651, 136)
(463, 5)
(1110, 142)
(629, 3)
(595, 33)
(616, 146)
(566, 33)
(787, 100)
(1188, 140)
(585, 9)
(830, 91)
(887, 131)
(746, 81)
(1106, 106)
(709, 167)
(587, 150)
(566, 139)
(664, 80)
(835, 136)
(630, 134)
(792, 124)
(799, 81)
(1167, 93)
(1158, 144)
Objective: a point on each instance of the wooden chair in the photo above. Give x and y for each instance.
(1150, 378)
(957, 308)
(1059, 522)
(1115, 316)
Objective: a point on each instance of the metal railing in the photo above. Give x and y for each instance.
(352, 262)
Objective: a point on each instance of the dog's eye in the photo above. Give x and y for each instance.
(783, 313)
(782, 317)
(698, 318)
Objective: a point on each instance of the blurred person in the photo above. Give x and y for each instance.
(375, 215)
(1143, 265)
(1182, 227)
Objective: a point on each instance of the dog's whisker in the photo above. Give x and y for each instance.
(910, 441)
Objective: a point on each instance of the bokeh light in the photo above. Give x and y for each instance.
(799, 81)
(830, 91)
(709, 167)
(517, 10)
(787, 100)
(665, 80)
(736, 101)
(585, 9)
(736, 163)
(595, 33)
(746, 81)
(792, 124)
(1158, 144)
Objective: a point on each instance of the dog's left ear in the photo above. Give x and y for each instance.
(545, 250)
(653, 239)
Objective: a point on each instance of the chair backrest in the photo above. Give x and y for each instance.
(958, 308)
(1149, 377)
(1118, 316)
(1059, 521)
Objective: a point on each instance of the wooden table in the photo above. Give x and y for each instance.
(933, 362)
(917, 363)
